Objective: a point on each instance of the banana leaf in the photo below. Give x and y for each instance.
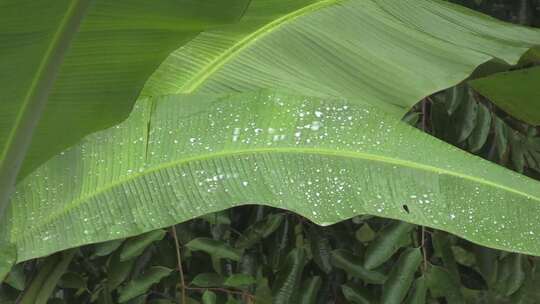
(68, 68)
(179, 157)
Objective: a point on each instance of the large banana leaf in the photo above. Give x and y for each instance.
(389, 53)
(119, 44)
(180, 157)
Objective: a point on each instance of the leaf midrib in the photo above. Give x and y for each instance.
(288, 150)
(209, 69)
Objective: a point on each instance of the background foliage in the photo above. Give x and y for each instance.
(255, 254)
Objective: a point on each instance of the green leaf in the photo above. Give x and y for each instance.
(141, 284)
(441, 284)
(259, 230)
(353, 266)
(288, 278)
(418, 294)
(61, 78)
(207, 280)
(135, 246)
(465, 118)
(481, 130)
(516, 92)
(357, 294)
(387, 243)
(501, 138)
(510, 275)
(263, 293)
(487, 262)
(365, 234)
(363, 55)
(320, 249)
(401, 276)
(209, 297)
(8, 257)
(106, 248)
(72, 280)
(309, 290)
(238, 280)
(215, 248)
(217, 218)
(262, 150)
(29, 68)
(118, 271)
(44, 283)
(16, 277)
(454, 97)
(442, 247)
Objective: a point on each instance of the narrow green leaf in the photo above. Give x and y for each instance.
(388, 241)
(72, 280)
(480, 133)
(263, 293)
(441, 284)
(357, 294)
(208, 280)
(353, 266)
(141, 284)
(44, 283)
(510, 275)
(365, 234)
(320, 249)
(209, 297)
(106, 248)
(465, 118)
(441, 244)
(217, 218)
(215, 248)
(418, 294)
(281, 244)
(454, 97)
(501, 138)
(238, 280)
(401, 277)
(309, 290)
(412, 118)
(488, 263)
(118, 271)
(517, 150)
(259, 230)
(134, 247)
(288, 278)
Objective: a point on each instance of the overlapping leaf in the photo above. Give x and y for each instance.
(383, 52)
(119, 44)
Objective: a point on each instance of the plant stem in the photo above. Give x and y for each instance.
(179, 259)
